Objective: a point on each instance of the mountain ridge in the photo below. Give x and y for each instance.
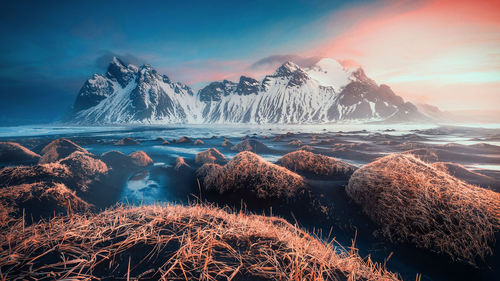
(323, 93)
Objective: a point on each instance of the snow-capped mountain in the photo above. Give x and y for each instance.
(324, 92)
(130, 94)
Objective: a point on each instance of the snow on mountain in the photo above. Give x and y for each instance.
(330, 73)
(324, 92)
(130, 94)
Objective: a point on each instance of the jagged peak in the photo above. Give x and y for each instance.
(244, 79)
(286, 69)
(359, 75)
(117, 62)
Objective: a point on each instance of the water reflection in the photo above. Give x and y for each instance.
(142, 188)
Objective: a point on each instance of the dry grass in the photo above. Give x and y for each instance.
(295, 142)
(183, 139)
(307, 162)
(424, 154)
(306, 148)
(249, 172)
(37, 200)
(59, 149)
(14, 152)
(210, 155)
(176, 243)
(181, 165)
(251, 145)
(76, 171)
(459, 171)
(141, 159)
(227, 143)
(127, 141)
(84, 168)
(415, 202)
(10, 176)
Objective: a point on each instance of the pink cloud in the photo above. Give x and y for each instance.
(442, 52)
(424, 48)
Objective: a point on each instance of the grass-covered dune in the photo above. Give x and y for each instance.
(306, 162)
(415, 202)
(175, 243)
(249, 173)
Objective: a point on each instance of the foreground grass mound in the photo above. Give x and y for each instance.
(252, 145)
(248, 172)
(316, 164)
(415, 202)
(37, 200)
(11, 152)
(175, 243)
(121, 162)
(59, 149)
(51, 172)
(210, 155)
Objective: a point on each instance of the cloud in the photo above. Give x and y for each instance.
(105, 58)
(275, 61)
(423, 48)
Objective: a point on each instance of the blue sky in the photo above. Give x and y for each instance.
(50, 48)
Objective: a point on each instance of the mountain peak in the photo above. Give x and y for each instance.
(117, 62)
(324, 92)
(286, 69)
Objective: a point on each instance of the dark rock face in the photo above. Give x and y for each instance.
(367, 100)
(247, 86)
(215, 90)
(117, 71)
(92, 93)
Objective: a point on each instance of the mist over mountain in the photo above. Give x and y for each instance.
(324, 92)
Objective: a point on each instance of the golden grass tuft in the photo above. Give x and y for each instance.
(210, 155)
(37, 200)
(227, 143)
(127, 141)
(141, 159)
(176, 243)
(295, 142)
(84, 165)
(414, 202)
(59, 149)
(247, 171)
(307, 162)
(10, 176)
(181, 165)
(424, 154)
(251, 145)
(306, 148)
(183, 139)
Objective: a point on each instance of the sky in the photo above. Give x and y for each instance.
(441, 52)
